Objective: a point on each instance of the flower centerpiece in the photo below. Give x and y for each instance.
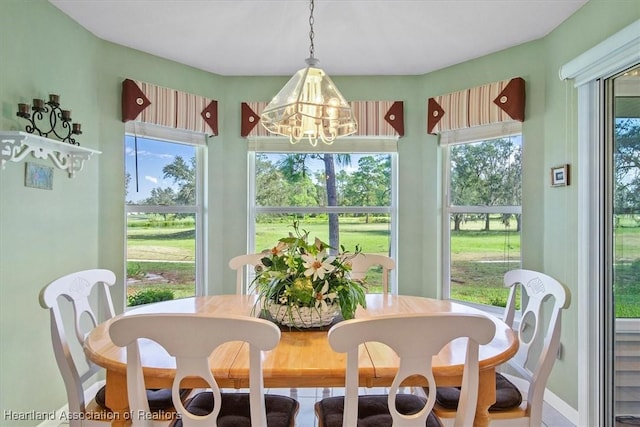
(301, 285)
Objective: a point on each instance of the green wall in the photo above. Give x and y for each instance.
(43, 234)
(79, 224)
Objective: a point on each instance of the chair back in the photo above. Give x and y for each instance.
(361, 263)
(416, 339)
(239, 263)
(538, 332)
(191, 339)
(77, 289)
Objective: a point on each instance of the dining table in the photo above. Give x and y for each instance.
(302, 358)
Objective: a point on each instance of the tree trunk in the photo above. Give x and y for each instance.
(332, 200)
(486, 222)
(457, 220)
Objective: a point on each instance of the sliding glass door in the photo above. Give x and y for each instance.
(622, 225)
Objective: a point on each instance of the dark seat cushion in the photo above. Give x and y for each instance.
(281, 410)
(507, 396)
(159, 399)
(373, 410)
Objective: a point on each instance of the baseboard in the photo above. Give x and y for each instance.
(60, 413)
(561, 406)
(552, 399)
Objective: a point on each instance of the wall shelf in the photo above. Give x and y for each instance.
(16, 145)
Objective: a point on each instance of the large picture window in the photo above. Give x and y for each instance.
(483, 217)
(345, 199)
(164, 218)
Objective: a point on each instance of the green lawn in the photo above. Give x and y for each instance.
(164, 257)
(480, 282)
(373, 237)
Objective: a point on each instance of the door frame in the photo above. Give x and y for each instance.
(589, 70)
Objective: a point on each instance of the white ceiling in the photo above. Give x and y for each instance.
(352, 37)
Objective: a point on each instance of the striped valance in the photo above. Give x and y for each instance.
(492, 103)
(375, 118)
(148, 103)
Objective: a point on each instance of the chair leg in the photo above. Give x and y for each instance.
(293, 393)
(317, 411)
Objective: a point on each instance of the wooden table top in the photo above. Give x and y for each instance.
(302, 358)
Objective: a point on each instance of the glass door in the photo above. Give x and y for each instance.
(622, 95)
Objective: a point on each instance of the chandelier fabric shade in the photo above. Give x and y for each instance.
(309, 107)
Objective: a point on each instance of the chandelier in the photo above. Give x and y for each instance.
(309, 106)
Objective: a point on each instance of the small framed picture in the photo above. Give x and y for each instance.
(560, 176)
(38, 176)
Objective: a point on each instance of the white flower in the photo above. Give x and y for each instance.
(323, 295)
(317, 266)
(279, 249)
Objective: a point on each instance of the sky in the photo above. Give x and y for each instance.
(153, 155)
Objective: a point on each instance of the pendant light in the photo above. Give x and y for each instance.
(309, 106)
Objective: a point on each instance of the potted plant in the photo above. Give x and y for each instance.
(301, 285)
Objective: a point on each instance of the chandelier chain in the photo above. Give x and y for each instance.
(311, 33)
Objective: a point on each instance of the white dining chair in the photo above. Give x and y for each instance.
(521, 384)
(243, 265)
(415, 352)
(191, 339)
(90, 301)
(78, 372)
(362, 262)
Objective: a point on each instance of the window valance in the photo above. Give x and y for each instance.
(375, 118)
(491, 103)
(148, 103)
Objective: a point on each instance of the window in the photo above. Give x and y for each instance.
(164, 217)
(345, 199)
(482, 220)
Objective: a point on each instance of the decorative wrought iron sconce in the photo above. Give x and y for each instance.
(56, 114)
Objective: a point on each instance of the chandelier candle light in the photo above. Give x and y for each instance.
(309, 106)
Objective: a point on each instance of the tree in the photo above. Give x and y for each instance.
(161, 196)
(302, 191)
(294, 166)
(369, 185)
(487, 173)
(332, 197)
(272, 189)
(627, 167)
(127, 181)
(183, 174)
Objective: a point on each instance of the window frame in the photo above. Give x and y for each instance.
(351, 145)
(468, 136)
(199, 142)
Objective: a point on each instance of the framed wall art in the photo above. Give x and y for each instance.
(38, 176)
(560, 176)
